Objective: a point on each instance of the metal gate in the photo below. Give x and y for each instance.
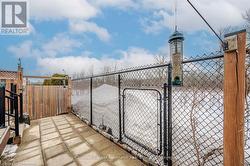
(142, 118)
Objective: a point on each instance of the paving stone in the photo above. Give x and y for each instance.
(69, 135)
(67, 130)
(49, 136)
(31, 134)
(71, 118)
(83, 129)
(48, 131)
(60, 160)
(55, 118)
(79, 149)
(103, 144)
(94, 138)
(127, 162)
(74, 122)
(61, 122)
(48, 126)
(79, 125)
(27, 145)
(63, 126)
(28, 153)
(74, 138)
(54, 150)
(104, 163)
(32, 161)
(88, 133)
(51, 142)
(73, 141)
(60, 119)
(46, 123)
(46, 119)
(115, 152)
(89, 159)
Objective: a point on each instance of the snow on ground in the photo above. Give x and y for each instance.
(106, 108)
(8, 155)
(141, 119)
(207, 108)
(81, 103)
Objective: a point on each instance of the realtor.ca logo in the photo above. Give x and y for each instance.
(14, 17)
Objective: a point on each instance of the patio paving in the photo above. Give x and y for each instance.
(65, 140)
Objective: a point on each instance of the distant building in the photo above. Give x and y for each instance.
(15, 77)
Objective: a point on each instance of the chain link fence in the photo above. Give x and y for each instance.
(198, 114)
(142, 94)
(134, 107)
(81, 98)
(105, 104)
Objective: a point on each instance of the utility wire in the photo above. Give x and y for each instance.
(224, 45)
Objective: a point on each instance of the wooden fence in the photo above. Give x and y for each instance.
(46, 101)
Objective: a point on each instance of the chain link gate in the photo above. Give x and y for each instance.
(142, 112)
(142, 118)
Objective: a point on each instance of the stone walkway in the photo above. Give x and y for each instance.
(65, 140)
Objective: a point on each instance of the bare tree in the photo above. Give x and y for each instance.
(246, 16)
(91, 71)
(106, 69)
(196, 101)
(161, 59)
(161, 73)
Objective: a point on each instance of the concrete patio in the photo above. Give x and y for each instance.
(65, 140)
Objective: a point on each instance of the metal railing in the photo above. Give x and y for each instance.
(160, 123)
(10, 103)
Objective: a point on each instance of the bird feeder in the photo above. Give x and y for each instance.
(176, 53)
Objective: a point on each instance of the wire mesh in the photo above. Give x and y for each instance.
(106, 104)
(198, 114)
(141, 111)
(81, 98)
(197, 109)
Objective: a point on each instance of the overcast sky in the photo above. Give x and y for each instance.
(77, 35)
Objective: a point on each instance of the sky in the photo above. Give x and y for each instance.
(84, 36)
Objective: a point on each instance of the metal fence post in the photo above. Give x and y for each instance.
(16, 115)
(120, 114)
(2, 107)
(165, 154)
(170, 115)
(11, 101)
(21, 108)
(91, 103)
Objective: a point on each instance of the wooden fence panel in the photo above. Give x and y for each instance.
(46, 101)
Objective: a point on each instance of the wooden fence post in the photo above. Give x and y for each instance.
(234, 100)
(69, 94)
